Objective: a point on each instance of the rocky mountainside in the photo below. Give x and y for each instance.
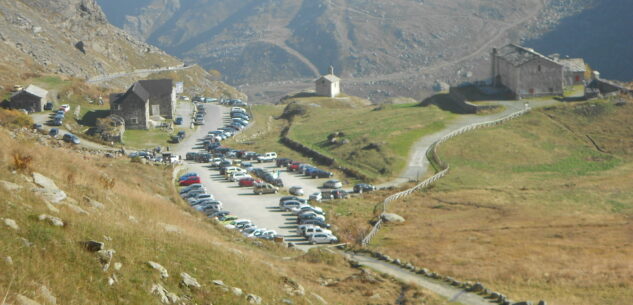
(375, 43)
(74, 38)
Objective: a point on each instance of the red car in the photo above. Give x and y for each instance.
(294, 166)
(248, 181)
(190, 180)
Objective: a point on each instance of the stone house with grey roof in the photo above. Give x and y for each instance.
(525, 72)
(328, 85)
(31, 99)
(573, 71)
(145, 101)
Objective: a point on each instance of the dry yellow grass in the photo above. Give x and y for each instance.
(201, 248)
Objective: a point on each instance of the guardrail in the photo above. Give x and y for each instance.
(432, 155)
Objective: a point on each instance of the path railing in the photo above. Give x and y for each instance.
(442, 166)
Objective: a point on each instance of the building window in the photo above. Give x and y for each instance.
(539, 68)
(134, 121)
(551, 90)
(117, 107)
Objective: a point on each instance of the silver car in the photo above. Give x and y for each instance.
(322, 238)
(332, 184)
(296, 190)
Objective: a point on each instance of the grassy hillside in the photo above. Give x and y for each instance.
(538, 208)
(142, 219)
(374, 140)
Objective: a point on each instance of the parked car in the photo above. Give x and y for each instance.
(181, 134)
(189, 181)
(332, 184)
(265, 188)
(296, 190)
(293, 166)
(309, 215)
(316, 196)
(65, 107)
(178, 120)
(191, 187)
(174, 139)
(248, 181)
(364, 187)
(282, 162)
(187, 175)
(322, 238)
(289, 205)
(57, 122)
(71, 138)
(237, 176)
(54, 132)
(307, 208)
(317, 222)
(334, 194)
(199, 197)
(48, 106)
(267, 157)
(311, 229)
(288, 198)
(319, 173)
(37, 126)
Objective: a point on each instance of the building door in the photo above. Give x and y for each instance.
(577, 78)
(155, 109)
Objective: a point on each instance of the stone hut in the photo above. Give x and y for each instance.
(145, 100)
(132, 106)
(573, 71)
(31, 99)
(525, 72)
(328, 85)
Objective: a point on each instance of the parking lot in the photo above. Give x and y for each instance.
(262, 210)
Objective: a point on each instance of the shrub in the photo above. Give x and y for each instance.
(14, 119)
(22, 161)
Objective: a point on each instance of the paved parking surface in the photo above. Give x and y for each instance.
(241, 201)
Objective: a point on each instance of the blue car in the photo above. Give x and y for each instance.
(54, 132)
(187, 175)
(71, 138)
(178, 121)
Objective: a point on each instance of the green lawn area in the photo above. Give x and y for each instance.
(375, 140)
(145, 138)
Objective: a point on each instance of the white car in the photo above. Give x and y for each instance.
(256, 233)
(322, 238)
(296, 190)
(199, 197)
(315, 197)
(312, 229)
(238, 175)
(64, 107)
(236, 223)
(267, 157)
(306, 208)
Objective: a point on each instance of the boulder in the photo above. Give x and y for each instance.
(46, 295)
(55, 221)
(105, 258)
(22, 300)
(477, 287)
(92, 246)
(9, 186)
(188, 281)
(11, 224)
(160, 268)
(253, 299)
(237, 291)
(8, 260)
(291, 287)
(47, 188)
(93, 203)
(218, 283)
(390, 217)
(118, 266)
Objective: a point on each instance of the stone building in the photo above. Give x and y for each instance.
(573, 71)
(132, 106)
(328, 85)
(31, 99)
(525, 72)
(145, 101)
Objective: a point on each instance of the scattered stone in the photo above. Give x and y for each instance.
(22, 300)
(75, 208)
(390, 217)
(319, 298)
(253, 299)
(105, 258)
(48, 189)
(10, 186)
(237, 291)
(11, 224)
(55, 221)
(397, 261)
(8, 260)
(165, 296)
(293, 288)
(46, 295)
(287, 301)
(477, 287)
(118, 266)
(112, 280)
(92, 246)
(218, 283)
(93, 203)
(26, 242)
(188, 281)
(171, 228)
(106, 237)
(160, 268)
(132, 219)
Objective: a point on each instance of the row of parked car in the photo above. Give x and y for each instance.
(57, 116)
(198, 197)
(311, 221)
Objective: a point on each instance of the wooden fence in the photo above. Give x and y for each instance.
(443, 167)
